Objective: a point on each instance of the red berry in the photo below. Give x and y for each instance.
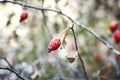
(117, 36)
(23, 16)
(54, 44)
(97, 57)
(117, 58)
(113, 27)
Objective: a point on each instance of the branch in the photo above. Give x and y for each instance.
(10, 68)
(98, 37)
(76, 46)
(13, 71)
(72, 20)
(7, 62)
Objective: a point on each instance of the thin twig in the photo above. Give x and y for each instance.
(11, 70)
(7, 62)
(45, 21)
(37, 7)
(72, 20)
(75, 41)
(98, 37)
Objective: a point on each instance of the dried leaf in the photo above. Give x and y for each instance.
(64, 43)
(102, 77)
(110, 69)
(37, 77)
(108, 72)
(20, 71)
(67, 32)
(70, 59)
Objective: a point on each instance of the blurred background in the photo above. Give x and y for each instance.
(25, 44)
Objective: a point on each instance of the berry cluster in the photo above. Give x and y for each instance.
(114, 27)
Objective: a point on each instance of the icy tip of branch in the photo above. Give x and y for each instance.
(115, 51)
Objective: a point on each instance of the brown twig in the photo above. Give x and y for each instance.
(10, 68)
(13, 71)
(79, 56)
(7, 62)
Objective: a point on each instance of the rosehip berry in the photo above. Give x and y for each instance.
(97, 57)
(24, 16)
(113, 27)
(117, 58)
(117, 36)
(54, 44)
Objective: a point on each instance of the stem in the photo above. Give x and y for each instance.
(98, 37)
(9, 69)
(7, 62)
(75, 40)
(72, 20)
